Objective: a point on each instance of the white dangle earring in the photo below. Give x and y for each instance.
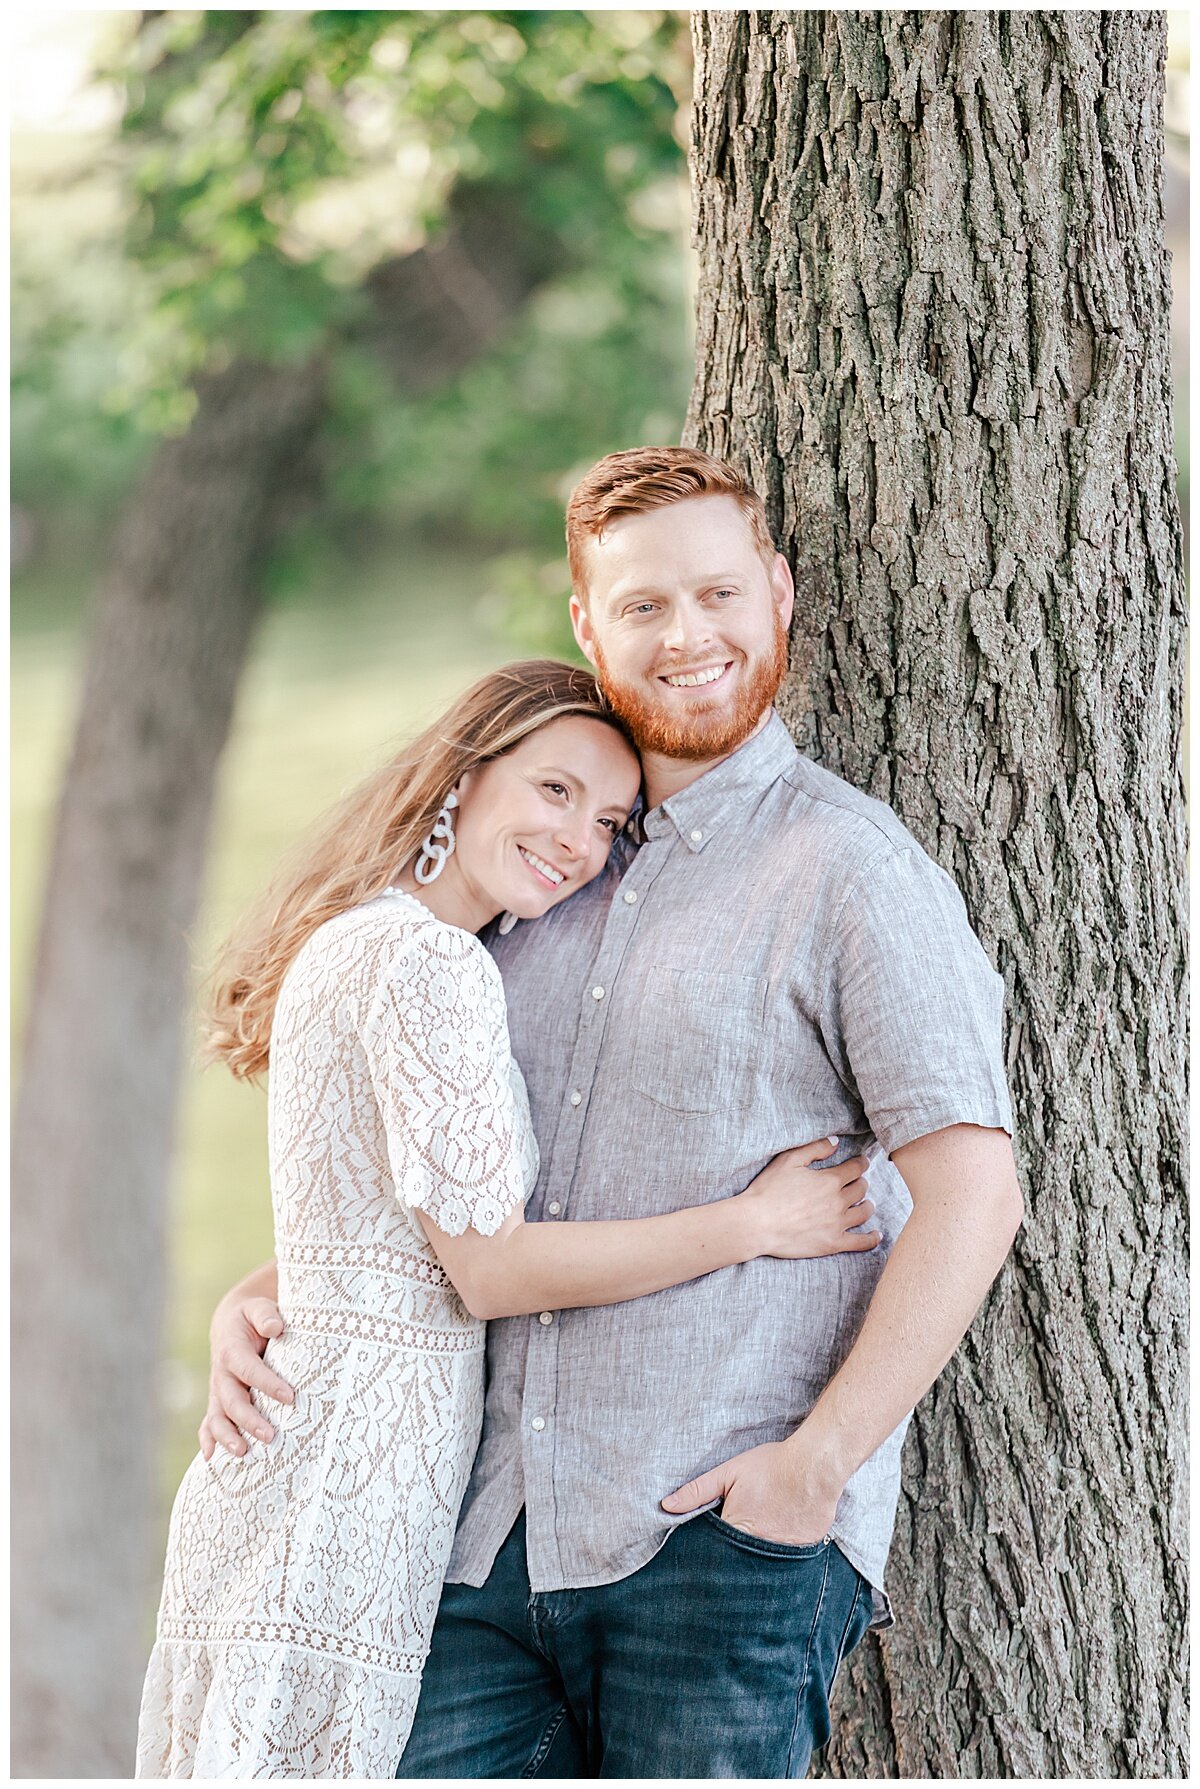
(439, 845)
(507, 922)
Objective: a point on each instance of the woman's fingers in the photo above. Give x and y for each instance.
(808, 1155)
(861, 1239)
(818, 1151)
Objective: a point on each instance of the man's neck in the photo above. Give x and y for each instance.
(665, 777)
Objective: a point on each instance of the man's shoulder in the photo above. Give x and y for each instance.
(833, 812)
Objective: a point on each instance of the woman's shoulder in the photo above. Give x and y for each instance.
(389, 970)
(394, 936)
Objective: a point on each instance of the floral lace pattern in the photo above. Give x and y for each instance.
(302, 1581)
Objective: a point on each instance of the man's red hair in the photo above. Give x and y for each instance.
(645, 478)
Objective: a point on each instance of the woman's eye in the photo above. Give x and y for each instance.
(612, 825)
(555, 788)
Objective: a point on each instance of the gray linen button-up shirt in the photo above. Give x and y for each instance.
(777, 961)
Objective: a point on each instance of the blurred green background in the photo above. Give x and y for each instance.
(187, 185)
(174, 200)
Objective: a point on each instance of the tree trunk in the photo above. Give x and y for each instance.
(933, 327)
(95, 1119)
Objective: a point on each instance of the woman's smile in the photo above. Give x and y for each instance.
(543, 872)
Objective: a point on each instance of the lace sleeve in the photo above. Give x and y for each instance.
(452, 1101)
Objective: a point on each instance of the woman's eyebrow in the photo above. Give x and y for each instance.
(578, 784)
(563, 776)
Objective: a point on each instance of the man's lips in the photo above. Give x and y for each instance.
(702, 677)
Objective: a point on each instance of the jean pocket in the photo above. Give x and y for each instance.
(758, 1543)
(857, 1622)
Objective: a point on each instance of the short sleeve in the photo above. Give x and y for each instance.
(451, 1097)
(912, 1010)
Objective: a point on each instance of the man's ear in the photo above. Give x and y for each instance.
(783, 588)
(581, 627)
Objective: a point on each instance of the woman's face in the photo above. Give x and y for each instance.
(536, 824)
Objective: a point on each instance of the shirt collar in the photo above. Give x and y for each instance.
(701, 809)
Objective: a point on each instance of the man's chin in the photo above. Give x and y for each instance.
(695, 732)
(710, 732)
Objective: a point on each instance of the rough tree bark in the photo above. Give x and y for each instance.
(933, 326)
(95, 1117)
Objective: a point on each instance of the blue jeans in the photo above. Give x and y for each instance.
(716, 1659)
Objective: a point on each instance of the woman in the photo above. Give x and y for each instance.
(302, 1582)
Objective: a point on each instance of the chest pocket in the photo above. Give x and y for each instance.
(698, 1039)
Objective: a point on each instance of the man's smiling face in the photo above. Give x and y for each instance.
(686, 625)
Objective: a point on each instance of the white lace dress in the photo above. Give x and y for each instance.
(302, 1581)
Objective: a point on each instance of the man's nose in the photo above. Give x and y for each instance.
(688, 628)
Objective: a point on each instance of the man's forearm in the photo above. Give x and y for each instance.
(966, 1211)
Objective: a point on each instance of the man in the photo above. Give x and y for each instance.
(771, 957)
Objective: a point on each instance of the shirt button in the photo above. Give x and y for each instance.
(597, 993)
(545, 1317)
(538, 1424)
(697, 836)
(630, 896)
(576, 1097)
(554, 1208)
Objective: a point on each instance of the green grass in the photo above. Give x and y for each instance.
(356, 658)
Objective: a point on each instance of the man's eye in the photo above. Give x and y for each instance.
(642, 609)
(724, 592)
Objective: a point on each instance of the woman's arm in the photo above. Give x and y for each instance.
(794, 1208)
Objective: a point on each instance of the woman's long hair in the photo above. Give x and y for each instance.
(363, 844)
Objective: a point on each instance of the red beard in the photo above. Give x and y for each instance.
(705, 733)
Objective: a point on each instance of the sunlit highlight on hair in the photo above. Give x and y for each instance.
(645, 478)
(360, 848)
